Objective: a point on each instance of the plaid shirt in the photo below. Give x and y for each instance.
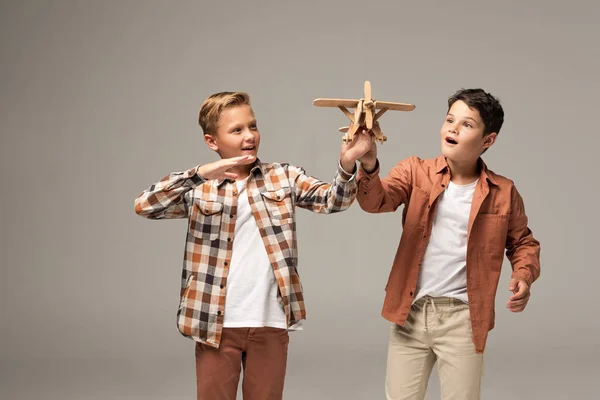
(274, 191)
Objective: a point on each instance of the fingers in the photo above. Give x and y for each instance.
(519, 295)
(517, 309)
(218, 169)
(522, 290)
(364, 136)
(240, 160)
(518, 305)
(361, 144)
(518, 301)
(367, 132)
(356, 139)
(227, 163)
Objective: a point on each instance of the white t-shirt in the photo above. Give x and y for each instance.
(443, 271)
(251, 297)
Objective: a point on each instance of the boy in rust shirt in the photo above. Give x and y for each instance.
(458, 219)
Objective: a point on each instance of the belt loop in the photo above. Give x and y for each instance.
(425, 315)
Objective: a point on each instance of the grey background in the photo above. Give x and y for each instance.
(99, 99)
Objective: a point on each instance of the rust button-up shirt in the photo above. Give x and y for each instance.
(497, 222)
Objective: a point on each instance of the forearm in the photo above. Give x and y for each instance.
(166, 198)
(524, 257)
(522, 249)
(349, 167)
(369, 166)
(322, 197)
(376, 195)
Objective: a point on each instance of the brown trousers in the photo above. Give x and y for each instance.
(262, 352)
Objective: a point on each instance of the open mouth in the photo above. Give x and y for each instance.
(449, 140)
(248, 148)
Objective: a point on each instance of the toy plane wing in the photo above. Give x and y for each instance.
(395, 106)
(335, 103)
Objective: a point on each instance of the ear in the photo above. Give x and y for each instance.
(489, 140)
(211, 142)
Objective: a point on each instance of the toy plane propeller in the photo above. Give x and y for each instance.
(365, 112)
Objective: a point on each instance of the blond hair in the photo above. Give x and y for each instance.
(213, 106)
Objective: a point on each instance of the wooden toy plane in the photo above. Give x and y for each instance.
(365, 112)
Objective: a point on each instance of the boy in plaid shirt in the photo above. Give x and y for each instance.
(241, 291)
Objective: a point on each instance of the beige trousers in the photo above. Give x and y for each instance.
(437, 329)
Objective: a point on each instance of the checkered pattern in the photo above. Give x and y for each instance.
(274, 191)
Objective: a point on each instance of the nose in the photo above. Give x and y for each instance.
(453, 128)
(248, 135)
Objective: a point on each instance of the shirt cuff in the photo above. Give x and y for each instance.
(525, 275)
(345, 175)
(193, 177)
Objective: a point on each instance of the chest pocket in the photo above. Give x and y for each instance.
(491, 231)
(279, 205)
(205, 219)
(416, 211)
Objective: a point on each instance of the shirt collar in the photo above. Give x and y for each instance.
(441, 165)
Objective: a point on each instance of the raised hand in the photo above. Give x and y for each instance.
(361, 144)
(362, 148)
(220, 169)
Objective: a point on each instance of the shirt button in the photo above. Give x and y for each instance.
(424, 236)
(218, 312)
(235, 193)
(229, 239)
(443, 185)
(230, 215)
(222, 286)
(226, 263)
(411, 293)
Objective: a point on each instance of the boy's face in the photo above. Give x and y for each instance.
(237, 133)
(462, 134)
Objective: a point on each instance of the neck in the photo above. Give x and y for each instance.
(463, 173)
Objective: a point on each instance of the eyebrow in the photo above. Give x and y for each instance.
(472, 119)
(241, 124)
